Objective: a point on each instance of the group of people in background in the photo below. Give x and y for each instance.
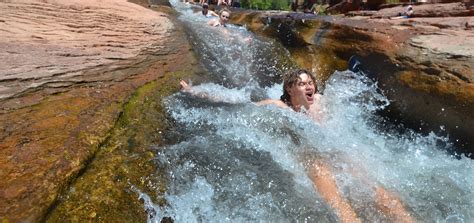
(228, 3)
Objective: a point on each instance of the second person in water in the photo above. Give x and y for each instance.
(208, 13)
(224, 16)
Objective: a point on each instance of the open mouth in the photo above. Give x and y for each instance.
(309, 96)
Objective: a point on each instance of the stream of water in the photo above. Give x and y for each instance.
(232, 161)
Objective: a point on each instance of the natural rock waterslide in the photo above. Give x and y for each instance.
(424, 65)
(78, 81)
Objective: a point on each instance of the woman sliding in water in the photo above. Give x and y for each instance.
(300, 95)
(221, 23)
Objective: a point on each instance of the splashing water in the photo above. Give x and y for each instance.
(235, 161)
(228, 55)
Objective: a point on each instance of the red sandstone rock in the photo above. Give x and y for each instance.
(67, 67)
(52, 42)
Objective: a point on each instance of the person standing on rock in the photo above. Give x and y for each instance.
(408, 13)
(294, 5)
(224, 3)
(236, 3)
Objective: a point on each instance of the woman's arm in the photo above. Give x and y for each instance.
(213, 22)
(213, 13)
(187, 88)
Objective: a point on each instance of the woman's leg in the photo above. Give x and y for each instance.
(325, 184)
(388, 203)
(391, 206)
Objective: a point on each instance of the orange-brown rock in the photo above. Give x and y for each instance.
(68, 70)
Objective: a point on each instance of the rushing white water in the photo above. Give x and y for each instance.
(237, 162)
(228, 54)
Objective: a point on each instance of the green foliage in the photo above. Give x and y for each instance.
(320, 9)
(266, 4)
(281, 4)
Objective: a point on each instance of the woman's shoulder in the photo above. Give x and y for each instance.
(214, 22)
(276, 102)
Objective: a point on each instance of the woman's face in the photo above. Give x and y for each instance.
(302, 92)
(225, 16)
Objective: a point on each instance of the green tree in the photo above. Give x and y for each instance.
(266, 4)
(281, 4)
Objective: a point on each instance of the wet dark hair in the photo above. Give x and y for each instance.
(205, 6)
(290, 78)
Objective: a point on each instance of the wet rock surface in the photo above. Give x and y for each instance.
(74, 75)
(81, 84)
(424, 65)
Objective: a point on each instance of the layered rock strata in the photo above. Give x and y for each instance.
(69, 71)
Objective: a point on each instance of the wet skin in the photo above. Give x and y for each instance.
(224, 18)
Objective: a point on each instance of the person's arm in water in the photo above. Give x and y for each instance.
(242, 38)
(214, 22)
(187, 88)
(213, 13)
(228, 35)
